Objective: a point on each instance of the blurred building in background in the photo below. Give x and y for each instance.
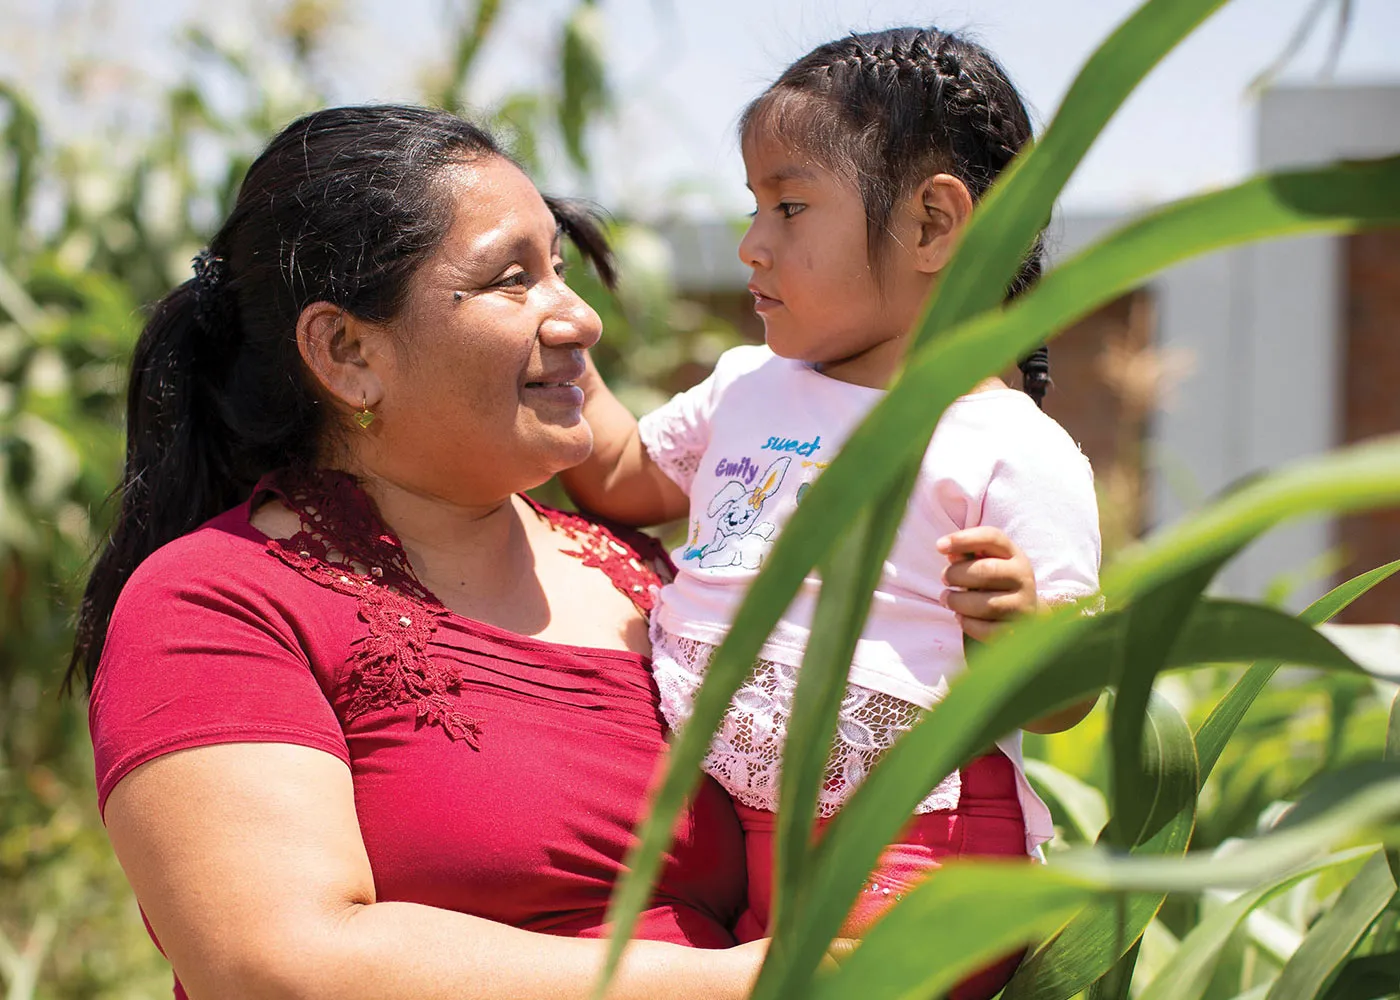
(1222, 367)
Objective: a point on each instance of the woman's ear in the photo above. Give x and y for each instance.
(940, 207)
(342, 353)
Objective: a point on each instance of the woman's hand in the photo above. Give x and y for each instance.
(990, 580)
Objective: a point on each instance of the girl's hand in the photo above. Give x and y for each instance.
(990, 580)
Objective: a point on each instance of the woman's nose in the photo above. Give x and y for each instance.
(572, 323)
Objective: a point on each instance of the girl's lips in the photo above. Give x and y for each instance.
(763, 303)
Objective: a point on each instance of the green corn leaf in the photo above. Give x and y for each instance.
(851, 844)
(900, 424)
(842, 607)
(22, 147)
(1153, 622)
(996, 903)
(1220, 725)
(916, 951)
(1102, 939)
(1330, 941)
(1116, 983)
(1356, 801)
(979, 707)
(1016, 208)
(1189, 973)
(1082, 804)
(1392, 753)
(1371, 978)
(583, 76)
(1105, 82)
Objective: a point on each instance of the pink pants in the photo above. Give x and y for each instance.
(987, 822)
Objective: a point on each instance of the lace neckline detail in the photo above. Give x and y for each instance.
(343, 545)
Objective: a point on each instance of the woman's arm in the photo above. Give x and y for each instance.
(619, 480)
(248, 861)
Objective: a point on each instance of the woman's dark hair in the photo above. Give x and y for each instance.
(343, 206)
(891, 108)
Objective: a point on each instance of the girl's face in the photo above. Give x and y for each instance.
(813, 284)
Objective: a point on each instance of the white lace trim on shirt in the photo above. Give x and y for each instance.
(679, 465)
(745, 756)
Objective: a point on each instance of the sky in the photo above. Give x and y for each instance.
(682, 71)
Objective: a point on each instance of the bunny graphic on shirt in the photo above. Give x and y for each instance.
(740, 538)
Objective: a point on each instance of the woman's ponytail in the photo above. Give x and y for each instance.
(177, 471)
(343, 206)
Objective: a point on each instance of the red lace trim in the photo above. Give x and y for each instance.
(343, 545)
(635, 578)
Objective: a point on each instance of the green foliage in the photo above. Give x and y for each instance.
(1158, 619)
(132, 211)
(1277, 779)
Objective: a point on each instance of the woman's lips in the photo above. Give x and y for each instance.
(562, 393)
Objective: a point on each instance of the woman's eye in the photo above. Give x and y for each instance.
(561, 268)
(789, 208)
(517, 279)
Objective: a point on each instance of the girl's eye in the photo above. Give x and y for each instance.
(789, 208)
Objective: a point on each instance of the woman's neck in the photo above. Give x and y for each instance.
(456, 546)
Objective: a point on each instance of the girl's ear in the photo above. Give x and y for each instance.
(940, 208)
(343, 354)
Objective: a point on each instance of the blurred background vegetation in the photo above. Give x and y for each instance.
(91, 231)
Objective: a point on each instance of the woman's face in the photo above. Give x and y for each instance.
(478, 397)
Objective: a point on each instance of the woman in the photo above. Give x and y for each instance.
(382, 727)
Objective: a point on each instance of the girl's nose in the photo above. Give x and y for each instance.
(752, 249)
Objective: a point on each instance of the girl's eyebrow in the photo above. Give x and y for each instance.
(790, 172)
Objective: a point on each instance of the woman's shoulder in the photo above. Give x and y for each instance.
(226, 552)
(225, 573)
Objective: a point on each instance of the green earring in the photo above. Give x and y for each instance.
(366, 416)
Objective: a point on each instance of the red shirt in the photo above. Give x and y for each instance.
(494, 774)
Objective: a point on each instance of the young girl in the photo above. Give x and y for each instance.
(865, 159)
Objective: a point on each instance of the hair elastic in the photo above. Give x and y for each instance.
(210, 274)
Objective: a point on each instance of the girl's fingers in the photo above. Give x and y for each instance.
(985, 605)
(980, 541)
(990, 574)
(977, 628)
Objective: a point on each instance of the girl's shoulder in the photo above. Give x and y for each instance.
(744, 360)
(1008, 424)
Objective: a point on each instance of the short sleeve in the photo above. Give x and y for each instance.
(1041, 493)
(194, 658)
(677, 434)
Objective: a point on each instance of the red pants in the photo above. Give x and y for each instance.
(987, 822)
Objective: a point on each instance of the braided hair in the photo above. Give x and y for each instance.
(891, 108)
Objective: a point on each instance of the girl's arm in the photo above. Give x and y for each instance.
(990, 583)
(248, 861)
(619, 480)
